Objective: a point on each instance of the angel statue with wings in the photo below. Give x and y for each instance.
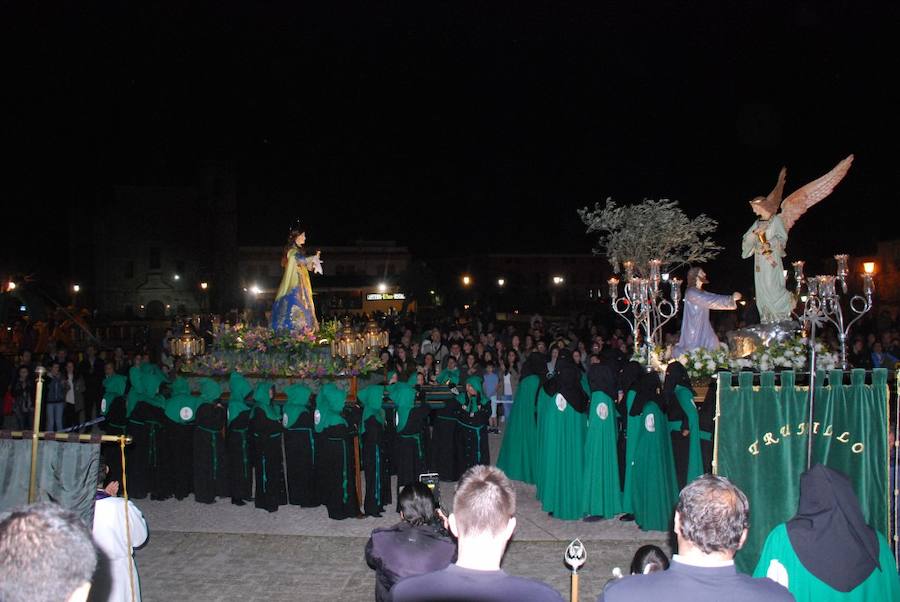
(293, 309)
(767, 238)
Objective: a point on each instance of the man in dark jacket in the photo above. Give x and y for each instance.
(414, 546)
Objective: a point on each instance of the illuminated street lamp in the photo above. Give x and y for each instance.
(382, 287)
(176, 277)
(255, 289)
(501, 282)
(204, 285)
(466, 280)
(76, 288)
(868, 267)
(557, 280)
(10, 286)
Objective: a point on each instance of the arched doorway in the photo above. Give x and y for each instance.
(156, 310)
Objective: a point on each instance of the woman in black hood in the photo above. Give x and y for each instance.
(827, 551)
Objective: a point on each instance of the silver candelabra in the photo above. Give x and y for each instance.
(823, 302)
(643, 305)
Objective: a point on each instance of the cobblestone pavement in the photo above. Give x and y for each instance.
(206, 567)
(224, 552)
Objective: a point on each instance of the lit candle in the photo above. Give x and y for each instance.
(654, 269)
(813, 286)
(629, 269)
(643, 288)
(842, 270)
(826, 286)
(868, 284)
(676, 290)
(798, 270)
(613, 287)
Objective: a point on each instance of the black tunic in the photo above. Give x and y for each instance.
(410, 448)
(472, 445)
(178, 458)
(378, 480)
(209, 453)
(142, 456)
(268, 461)
(239, 457)
(443, 440)
(300, 455)
(115, 424)
(335, 471)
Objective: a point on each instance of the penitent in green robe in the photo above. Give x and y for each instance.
(632, 428)
(778, 561)
(695, 458)
(654, 486)
(517, 455)
(561, 468)
(602, 496)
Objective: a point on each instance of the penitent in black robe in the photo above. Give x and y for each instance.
(378, 479)
(179, 455)
(239, 458)
(300, 455)
(443, 440)
(209, 453)
(472, 445)
(335, 471)
(410, 448)
(268, 461)
(142, 456)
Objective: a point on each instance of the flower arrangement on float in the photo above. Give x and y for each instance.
(259, 350)
(702, 364)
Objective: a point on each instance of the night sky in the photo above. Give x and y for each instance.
(448, 125)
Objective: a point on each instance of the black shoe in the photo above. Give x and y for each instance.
(627, 517)
(237, 501)
(594, 518)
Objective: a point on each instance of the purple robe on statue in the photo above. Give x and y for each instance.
(696, 331)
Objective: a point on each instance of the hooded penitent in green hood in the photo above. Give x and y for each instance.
(154, 370)
(371, 398)
(297, 402)
(150, 382)
(113, 386)
(210, 391)
(471, 403)
(239, 388)
(263, 398)
(136, 391)
(182, 406)
(403, 397)
(329, 405)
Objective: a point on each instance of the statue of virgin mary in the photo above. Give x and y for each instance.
(293, 309)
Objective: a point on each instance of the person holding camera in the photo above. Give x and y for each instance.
(418, 544)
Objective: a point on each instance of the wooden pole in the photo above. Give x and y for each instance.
(73, 437)
(574, 586)
(356, 443)
(38, 398)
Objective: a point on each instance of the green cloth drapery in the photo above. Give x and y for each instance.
(762, 443)
(67, 474)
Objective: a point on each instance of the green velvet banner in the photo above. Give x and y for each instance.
(67, 474)
(762, 444)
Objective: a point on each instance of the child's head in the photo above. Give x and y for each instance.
(649, 559)
(489, 367)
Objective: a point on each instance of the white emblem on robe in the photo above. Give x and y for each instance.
(560, 402)
(602, 411)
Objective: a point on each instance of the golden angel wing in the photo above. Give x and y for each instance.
(802, 199)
